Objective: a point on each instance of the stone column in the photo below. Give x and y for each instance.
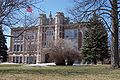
(11, 59)
(39, 45)
(23, 58)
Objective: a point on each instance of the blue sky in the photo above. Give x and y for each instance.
(56, 5)
(47, 6)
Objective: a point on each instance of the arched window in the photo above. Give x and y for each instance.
(49, 32)
(49, 36)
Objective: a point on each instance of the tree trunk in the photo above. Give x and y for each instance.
(115, 54)
(94, 61)
(70, 62)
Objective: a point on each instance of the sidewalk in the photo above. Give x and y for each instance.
(42, 64)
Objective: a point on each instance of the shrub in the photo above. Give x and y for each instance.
(62, 52)
(62, 56)
(71, 56)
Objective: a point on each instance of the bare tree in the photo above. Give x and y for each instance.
(63, 52)
(109, 11)
(11, 11)
(55, 52)
(30, 45)
(32, 48)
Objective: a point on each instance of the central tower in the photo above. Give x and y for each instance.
(59, 28)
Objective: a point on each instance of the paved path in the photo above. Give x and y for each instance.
(42, 64)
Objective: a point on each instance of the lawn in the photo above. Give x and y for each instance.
(86, 72)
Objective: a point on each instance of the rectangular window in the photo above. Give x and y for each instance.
(24, 48)
(35, 35)
(75, 33)
(21, 47)
(20, 59)
(49, 32)
(14, 59)
(18, 47)
(17, 59)
(27, 60)
(21, 37)
(14, 47)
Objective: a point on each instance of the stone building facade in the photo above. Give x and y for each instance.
(28, 45)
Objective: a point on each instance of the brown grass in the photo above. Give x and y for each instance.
(91, 72)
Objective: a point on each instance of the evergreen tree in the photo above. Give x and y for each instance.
(95, 45)
(3, 47)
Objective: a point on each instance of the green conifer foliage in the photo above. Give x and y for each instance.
(95, 45)
(3, 47)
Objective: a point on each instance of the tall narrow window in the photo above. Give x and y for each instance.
(14, 59)
(14, 47)
(75, 33)
(21, 47)
(18, 47)
(17, 59)
(21, 37)
(20, 59)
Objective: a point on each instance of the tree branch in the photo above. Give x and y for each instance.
(106, 14)
(110, 2)
(107, 24)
